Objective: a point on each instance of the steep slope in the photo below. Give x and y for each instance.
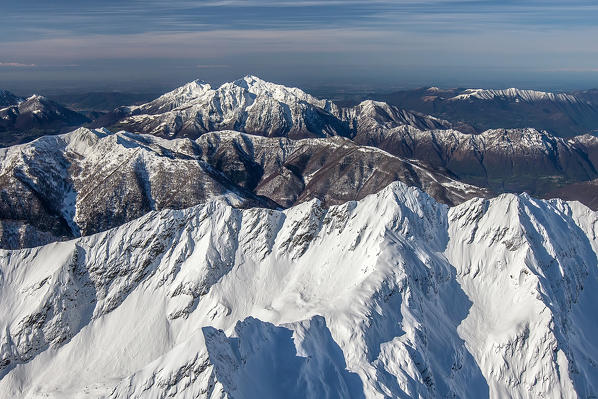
(334, 170)
(516, 95)
(7, 99)
(530, 270)
(562, 114)
(88, 181)
(392, 296)
(30, 118)
(254, 106)
(503, 160)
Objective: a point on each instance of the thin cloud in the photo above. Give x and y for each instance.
(573, 70)
(16, 65)
(211, 66)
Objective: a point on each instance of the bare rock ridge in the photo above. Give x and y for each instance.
(395, 295)
(87, 181)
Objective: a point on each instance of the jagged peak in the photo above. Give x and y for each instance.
(372, 103)
(36, 97)
(190, 90)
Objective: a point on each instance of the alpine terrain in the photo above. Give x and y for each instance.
(252, 241)
(510, 157)
(25, 119)
(476, 110)
(87, 181)
(395, 295)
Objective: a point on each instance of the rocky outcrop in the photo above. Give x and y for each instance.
(87, 181)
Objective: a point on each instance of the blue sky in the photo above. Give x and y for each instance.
(123, 44)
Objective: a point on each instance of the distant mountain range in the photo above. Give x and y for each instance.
(243, 105)
(270, 146)
(251, 240)
(87, 181)
(476, 110)
(501, 160)
(253, 106)
(25, 119)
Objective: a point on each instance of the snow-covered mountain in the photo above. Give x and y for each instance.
(87, 181)
(392, 296)
(477, 110)
(24, 119)
(516, 95)
(7, 99)
(502, 160)
(254, 106)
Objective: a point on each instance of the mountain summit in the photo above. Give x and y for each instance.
(252, 105)
(24, 119)
(392, 296)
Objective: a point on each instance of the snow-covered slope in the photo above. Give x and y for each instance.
(392, 296)
(88, 181)
(254, 106)
(24, 119)
(511, 160)
(477, 110)
(7, 99)
(516, 95)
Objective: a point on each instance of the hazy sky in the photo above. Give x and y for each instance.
(136, 44)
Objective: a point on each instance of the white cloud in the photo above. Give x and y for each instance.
(16, 65)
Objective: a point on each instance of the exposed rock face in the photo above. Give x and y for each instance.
(24, 119)
(501, 160)
(511, 160)
(392, 296)
(562, 114)
(88, 181)
(254, 106)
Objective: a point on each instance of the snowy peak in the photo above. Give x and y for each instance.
(28, 118)
(255, 106)
(390, 296)
(181, 96)
(516, 95)
(65, 186)
(279, 92)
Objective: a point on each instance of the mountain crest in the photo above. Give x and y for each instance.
(255, 106)
(517, 95)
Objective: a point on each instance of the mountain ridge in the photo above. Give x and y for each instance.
(24, 119)
(253, 106)
(60, 187)
(476, 110)
(382, 297)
